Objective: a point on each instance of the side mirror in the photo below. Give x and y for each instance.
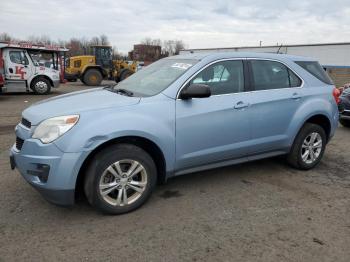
(195, 91)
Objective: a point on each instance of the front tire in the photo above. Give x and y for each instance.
(308, 147)
(120, 179)
(41, 86)
(125, 73)
(92, 77)
(345, 123)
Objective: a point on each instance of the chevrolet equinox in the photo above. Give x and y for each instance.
(179, 115)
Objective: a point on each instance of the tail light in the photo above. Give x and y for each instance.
(336, 95)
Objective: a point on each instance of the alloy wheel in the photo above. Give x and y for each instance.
(311, 148)
(123, 182)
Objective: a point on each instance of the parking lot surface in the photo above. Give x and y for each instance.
(258, 211)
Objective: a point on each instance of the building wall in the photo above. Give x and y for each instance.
(340, 76)
(147, 53)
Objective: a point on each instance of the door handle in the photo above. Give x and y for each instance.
(296, 96)
(240, 105)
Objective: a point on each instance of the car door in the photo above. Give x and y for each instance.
(18, 69)
(216, 128)
(17, 65)
(276, 97)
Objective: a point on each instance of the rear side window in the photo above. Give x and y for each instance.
(272, 75)
(316, 70)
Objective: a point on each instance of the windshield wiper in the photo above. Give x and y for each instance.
(123, 91)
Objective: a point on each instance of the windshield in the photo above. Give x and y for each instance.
(153, 79)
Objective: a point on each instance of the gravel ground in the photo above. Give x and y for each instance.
(259, 211)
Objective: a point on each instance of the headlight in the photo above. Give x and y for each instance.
(52, 128)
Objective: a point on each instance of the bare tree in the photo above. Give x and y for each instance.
(173, 47)
(104, 40)
(43, 39)
(95, 40)
(85, 46)
(150, 41)
(5, 37)
(82, 46)
(116, 54)
(74, 47)
(157, 42)
(147, 41)
(179, 45)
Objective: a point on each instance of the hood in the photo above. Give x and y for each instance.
(75, 103)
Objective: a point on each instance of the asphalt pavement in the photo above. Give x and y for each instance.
(258, 211)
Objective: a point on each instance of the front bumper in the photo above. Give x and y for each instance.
(49, 170)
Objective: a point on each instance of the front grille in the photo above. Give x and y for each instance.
(19, 143)
(346, 113)
(26, 123)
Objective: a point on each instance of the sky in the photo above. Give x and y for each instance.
(199, 23)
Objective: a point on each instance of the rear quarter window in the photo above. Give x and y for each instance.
(316, 70)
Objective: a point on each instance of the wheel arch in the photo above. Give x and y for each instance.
(321, 120)
(41, 76)
(146, 144)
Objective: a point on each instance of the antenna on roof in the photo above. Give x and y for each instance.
(278, 51)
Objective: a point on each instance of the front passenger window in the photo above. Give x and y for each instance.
(224, 77)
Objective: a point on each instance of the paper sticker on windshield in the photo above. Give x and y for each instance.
(182, 66)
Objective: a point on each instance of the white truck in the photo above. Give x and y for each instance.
(20, 70)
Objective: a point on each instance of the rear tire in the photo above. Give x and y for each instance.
(308, 147)
(92, 77)
(41, 86)
(345, 123)
(107, 179)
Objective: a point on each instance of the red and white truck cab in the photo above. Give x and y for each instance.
(19, 69)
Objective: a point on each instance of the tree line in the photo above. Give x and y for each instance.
(169, 47)
(82, 46)
(76, 46)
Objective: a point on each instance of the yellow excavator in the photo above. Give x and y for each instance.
(92, 69)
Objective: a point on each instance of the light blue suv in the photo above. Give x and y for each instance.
(179, 115)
